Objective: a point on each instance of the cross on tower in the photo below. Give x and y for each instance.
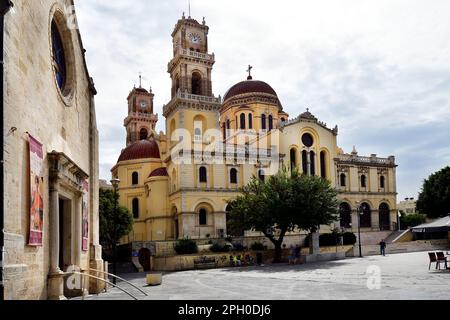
(249, 70)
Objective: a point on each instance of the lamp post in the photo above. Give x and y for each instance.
(115, 183)
(360, 213)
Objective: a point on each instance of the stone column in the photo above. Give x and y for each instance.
(314, 246)
(54, 230)
(78, 217)
(55, 278)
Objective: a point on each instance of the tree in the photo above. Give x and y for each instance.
(434, 199)
(113, 226)
(282, 203)
(412, 220)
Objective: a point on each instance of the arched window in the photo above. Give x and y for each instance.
(261, 175)
(305, 161)
(312, 156)
(143, 134)
(366, 216)
(293, 159)
(263, 122)
(228, 124)
(363, 181)
(203, 175)
(382, 182)
(250, 121)
(233, 176)
(242, 121)
(59, 58)
(198, 134)
(202, 217)
(323, 165)
(270, 122)
(196, 83)
(135, 178)
(224, 130)
(135, 206)
(283, 120)
(345, 214)
(177, 84)
(343, 180)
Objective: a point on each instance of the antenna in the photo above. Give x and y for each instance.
(140, 79)
(189, 8)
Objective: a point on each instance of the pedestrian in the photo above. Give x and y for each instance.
(383, 248)
(298, 251)
(292, 256)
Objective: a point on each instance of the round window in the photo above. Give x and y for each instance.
(59, 58)
(307, 140)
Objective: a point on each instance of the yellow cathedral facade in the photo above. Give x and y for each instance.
(177, 184)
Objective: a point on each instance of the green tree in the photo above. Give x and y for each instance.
(434, 199)
(412, 220)
(113, 225)
(282, 203)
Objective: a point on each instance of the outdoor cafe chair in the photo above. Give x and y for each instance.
(441, 259)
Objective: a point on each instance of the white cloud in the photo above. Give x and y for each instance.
(378, 69)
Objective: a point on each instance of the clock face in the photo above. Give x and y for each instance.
(195, 38)
(143, 104)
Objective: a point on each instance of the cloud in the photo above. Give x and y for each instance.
(378, 69)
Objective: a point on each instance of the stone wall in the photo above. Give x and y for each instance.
(61, 121)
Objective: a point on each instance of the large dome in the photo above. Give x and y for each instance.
(140, 150)
(249, 86)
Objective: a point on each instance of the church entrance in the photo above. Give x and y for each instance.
(65, 234)
(144, 258)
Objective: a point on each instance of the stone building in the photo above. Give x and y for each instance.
(48, 106)
(177, 183)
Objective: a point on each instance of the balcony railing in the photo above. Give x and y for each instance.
(194, 54)
(367, 160)
(144, 115)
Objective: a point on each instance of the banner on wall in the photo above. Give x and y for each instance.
(85, 233)
(36, 192)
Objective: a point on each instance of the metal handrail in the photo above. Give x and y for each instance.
(97, 278)
(117, 277)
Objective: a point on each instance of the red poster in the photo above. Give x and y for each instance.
(36, 192)
(85, 242)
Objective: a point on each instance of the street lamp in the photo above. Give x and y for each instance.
(360, 212)
(115, 183)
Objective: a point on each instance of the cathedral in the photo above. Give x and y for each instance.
(177, 184)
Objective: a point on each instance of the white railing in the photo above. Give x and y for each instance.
(368, 160)
(194, 54)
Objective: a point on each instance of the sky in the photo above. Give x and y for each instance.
(380, 70)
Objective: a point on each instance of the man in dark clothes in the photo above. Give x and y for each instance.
(383, 248)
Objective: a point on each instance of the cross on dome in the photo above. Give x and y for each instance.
(249, 70)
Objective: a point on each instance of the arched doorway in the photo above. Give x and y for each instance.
(196, 83)
(366, 217)
(345, 214)
(384, 218)
(144, 258)
(143, 134)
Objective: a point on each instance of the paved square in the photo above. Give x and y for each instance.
(403, 276)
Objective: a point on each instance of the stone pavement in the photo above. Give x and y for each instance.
(402, 276)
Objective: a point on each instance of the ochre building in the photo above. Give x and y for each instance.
(177, 184)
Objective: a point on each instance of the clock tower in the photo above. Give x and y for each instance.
(190, 70)
(141, 121)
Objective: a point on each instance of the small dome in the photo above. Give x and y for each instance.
(249, 86)
(140, 150)
(160, 172)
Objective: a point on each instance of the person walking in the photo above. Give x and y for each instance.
(383, 248)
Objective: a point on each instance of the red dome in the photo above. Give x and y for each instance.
(140, 150)
(249, 86)
(160, 172)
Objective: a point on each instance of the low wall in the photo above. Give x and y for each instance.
(403, 247)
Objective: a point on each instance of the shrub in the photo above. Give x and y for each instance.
(217, 247)
(329, 239)
(349, 238)
(186, 246)
(257, 246)
(412, 220)
(238, 247)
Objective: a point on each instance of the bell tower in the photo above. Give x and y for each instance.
(141, 121)
(190, 70)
